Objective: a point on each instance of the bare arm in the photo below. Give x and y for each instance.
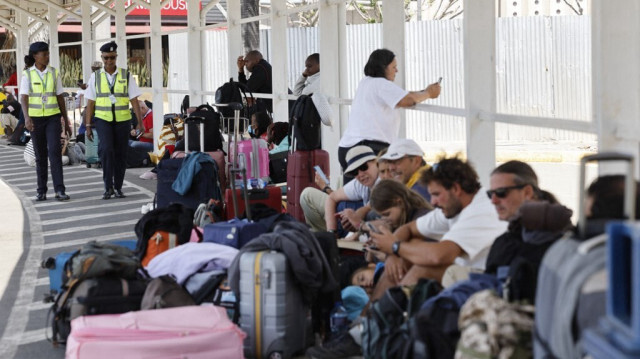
(136, 110)
(415, 97)
(414, 249)
(88, 115)
(330, 208)
(24, 102)
(63, 110)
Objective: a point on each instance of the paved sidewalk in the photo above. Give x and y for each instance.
(33, 231)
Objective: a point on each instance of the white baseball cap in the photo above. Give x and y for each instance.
(402, 147)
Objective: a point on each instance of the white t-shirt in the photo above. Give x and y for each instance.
(356, 191)
(24, 81)
(90, 92)
(474, 229)
(373, 114)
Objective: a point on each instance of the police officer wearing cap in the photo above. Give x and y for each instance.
(42, 104)
(109, 92)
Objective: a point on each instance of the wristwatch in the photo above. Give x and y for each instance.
(395, 247)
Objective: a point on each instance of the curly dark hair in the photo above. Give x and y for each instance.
(378, 62)
(452, 170)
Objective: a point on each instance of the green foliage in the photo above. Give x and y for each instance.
(143, 72)
(70, 70)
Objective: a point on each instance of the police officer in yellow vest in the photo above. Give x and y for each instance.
(109, 92)
(43, 104)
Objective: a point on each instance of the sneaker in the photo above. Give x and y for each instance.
(341, 347)
(149, 175)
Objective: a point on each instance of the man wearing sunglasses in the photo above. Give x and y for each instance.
(320, 208)
(109, 92)
(404, 157)
(464, 225)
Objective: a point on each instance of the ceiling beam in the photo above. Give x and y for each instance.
(59, 8)
(10, 25)
(104, 8)
(23, 11)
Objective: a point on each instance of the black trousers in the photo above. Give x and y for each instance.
(46, 145)
(112, 150)
(376, 146)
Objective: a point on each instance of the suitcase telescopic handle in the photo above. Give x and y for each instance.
(191, 120)
(629, 186)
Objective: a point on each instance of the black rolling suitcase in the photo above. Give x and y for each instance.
(204, 186)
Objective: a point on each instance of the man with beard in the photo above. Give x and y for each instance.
(463, 225)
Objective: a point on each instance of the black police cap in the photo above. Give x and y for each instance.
(38, 46)
(109, 47)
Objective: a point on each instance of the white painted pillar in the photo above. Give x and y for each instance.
(279, 60)
(234, 36)
(156, 69)
(121, 32)
(195, 53)
(331, 37)
(22, 43)
(101, 30)
(393, 38)
(480, 83)
(616, 81)
(88, 53)
(54, 50)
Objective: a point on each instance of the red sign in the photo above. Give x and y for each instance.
(172, 8)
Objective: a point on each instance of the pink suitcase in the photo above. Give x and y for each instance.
(192, 332)
(254, 156)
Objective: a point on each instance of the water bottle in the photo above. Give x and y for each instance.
(339, 319)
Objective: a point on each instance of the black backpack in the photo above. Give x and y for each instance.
(175, 218)
(304, 125)
(212, 135)
(233, 91)
(386, 329)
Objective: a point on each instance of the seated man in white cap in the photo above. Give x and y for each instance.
(404, 157)
(320, 206)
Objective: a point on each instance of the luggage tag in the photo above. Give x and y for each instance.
(112, 98)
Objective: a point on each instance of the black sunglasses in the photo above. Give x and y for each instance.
(109, 57)
(362, 168)
(502, 192)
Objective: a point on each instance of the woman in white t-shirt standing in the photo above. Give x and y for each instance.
(374, 120)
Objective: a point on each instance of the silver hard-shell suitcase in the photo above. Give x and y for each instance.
(272, 312)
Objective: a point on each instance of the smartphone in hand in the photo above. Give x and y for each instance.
(372, 228)
(321, 174)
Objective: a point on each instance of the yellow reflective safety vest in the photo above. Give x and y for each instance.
(105, 109)
(43, 101)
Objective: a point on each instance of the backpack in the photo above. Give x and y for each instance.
(494, 328)
(212, 135)
(96, 259)
(103, 262)
(434, 330)
(175, 218)
(206, 213)
(159, 242)
(233, 91)
(304, 125)
(385, 332)
(165, 292)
